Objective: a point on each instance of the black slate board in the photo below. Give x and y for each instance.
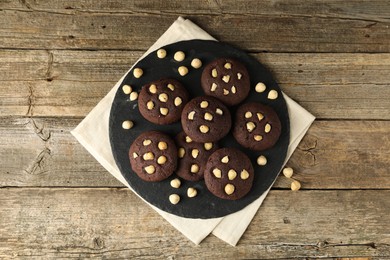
(204, 205)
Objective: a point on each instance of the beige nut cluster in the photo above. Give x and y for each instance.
(231, 174)
(288, 173)
(128, 90)
(180, 56)
(207, 116)
(150, 156)
(226, 79)
(163, 98)
(250, 126)
(261, 87)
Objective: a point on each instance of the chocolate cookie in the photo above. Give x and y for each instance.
(226, 79)
(192, 157)
(229, 174)
(206, 119)
(257, 126)
(162, 101)
(153, 156)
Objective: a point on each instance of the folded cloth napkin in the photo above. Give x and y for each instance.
(93, 131)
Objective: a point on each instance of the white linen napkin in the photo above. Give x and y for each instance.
(93, 131)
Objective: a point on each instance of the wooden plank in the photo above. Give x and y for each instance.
(333, 155)
(114, 223)
(72, 29)
(71, 83)
(364, 9)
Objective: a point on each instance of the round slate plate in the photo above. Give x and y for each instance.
(204, 205)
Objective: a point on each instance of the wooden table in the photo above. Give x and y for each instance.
(59, 58)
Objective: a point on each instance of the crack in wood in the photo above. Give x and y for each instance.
(39, 162)
(30, 100)
(49, 72)
(38, 165)
(309, 150)
(40, 131)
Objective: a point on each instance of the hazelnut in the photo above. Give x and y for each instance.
(127, 124)
(288, 172)
(295, 185)
(127, 89)
(260, 87)
(175, 183)
(261, 160)
(161, 53)
(137, 72)
(191, 192)
(174, 198)
(179, 56)
(229, 189)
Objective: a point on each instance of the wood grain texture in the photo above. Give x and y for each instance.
(114, 223)
(59, 58)
(332, 155)
(71, 25)
(71, 83)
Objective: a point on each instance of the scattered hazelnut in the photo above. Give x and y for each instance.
(179, 56)
(196, 63)
(183, 70)
(127, 124)
(295, 185)
(288, 172)
(127, 89)
(133, 96)
(161, 53)
(175, 183)
(261, 160)
(174, 198)
(191, 192)
(260, 87)
(137, 72)
(273, 94)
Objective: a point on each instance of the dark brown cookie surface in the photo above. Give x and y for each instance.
(162, 101)
(229, 174)
(192, 157)
(226, 79)
(206, 119)
(257, 126)
(153, 156)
